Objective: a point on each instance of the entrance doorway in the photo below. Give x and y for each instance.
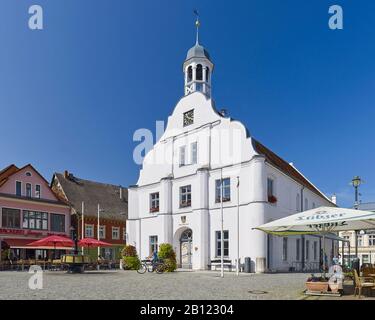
(186, 242)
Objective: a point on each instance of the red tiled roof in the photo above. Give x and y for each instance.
(285, 167)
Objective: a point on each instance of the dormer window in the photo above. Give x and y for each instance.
(37, 191)
(28, 190)
(18, 188)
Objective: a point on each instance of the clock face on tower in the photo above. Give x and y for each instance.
(188, 118)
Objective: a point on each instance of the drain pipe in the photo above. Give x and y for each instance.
(302, 237)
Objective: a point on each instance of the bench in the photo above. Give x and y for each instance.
(217, 263)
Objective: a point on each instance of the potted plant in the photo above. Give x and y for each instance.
(317, 284)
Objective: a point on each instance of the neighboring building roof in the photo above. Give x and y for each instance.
(92, 193)
(7, 172)
(287, 168)
(12, 169)
(369, 206)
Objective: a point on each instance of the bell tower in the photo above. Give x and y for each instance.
(198, 67)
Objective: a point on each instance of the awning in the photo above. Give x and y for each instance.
(23, 244)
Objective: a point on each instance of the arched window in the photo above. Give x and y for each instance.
(207, 74)
(199, 75)
(190, 74)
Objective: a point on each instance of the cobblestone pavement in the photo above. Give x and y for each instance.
(131, 285)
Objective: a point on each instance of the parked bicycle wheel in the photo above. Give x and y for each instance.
(142, 268)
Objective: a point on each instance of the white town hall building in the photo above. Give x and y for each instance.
(177, 198)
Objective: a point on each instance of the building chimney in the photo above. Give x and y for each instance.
(120, 192)
(66, 174)
(334, 199)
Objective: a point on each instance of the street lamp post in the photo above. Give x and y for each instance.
(356, 182)
(75, 239)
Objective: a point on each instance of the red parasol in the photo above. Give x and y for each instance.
(91, 242)
(52, 241)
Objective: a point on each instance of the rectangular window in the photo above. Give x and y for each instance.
(226, 190)
(371, 240)
(102, 232)
(194, 153)
(315, 250)
(153, 244)
(28, 190)
(115, 233)
(89, 231)
(11, 218)
(225, 241)
(57, 222)
(270, 191)
(298, 244)
(307, 250)
(154, 202)
(185, 196)
(360, 241)
(37, 191)
(285, 249)
(35, 220)
(18, 188)
(182, 156)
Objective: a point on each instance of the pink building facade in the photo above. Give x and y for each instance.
(29, 210)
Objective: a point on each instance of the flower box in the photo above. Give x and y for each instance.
(317, 286)
(272, 199)
(155, 209)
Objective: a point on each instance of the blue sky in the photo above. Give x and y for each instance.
(72, 95)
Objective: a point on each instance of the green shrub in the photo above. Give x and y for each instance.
(131, 263)
(129, 251)
(167, 254)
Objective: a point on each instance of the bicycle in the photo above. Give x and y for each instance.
(149, 266)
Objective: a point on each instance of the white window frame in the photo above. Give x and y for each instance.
(154, 202)
(118, 233)
(194, 152)
(218, 242)
(153, 241)
(38, 194)
(102, 229)
(89, 227)
(270, 179)
(186, 196)
(17, 181)
(182, 156)
(31, 190)
(371, 240)
(226, 187)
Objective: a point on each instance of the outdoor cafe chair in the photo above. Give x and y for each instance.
(361, 283)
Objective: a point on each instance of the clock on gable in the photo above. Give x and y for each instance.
(188, 118)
